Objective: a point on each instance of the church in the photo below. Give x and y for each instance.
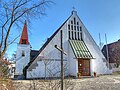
(82, 54)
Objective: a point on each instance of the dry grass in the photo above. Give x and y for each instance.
(116, 73)
(6, 84)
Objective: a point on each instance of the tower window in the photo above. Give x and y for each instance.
(23, 53)
(23, 41)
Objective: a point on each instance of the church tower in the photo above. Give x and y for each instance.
(23, 52)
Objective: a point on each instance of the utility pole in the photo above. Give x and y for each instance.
(62, 73)
(62, 52)
(107, 50)
(100, 44)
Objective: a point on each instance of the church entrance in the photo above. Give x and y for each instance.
(84, 67)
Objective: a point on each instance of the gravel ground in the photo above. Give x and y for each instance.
(106, 82)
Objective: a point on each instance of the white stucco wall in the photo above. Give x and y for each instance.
(73, 63)
(22, 61)
(53, 69)
(98, 63)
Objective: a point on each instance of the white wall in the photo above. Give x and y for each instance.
(21, 61)
(98, 63)
(73, 63)
(53, 69)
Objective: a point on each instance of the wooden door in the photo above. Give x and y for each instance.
(84, 67)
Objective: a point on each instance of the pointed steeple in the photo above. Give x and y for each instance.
(24, 36)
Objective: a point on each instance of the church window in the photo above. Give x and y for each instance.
(78, 36)
(69, 27)
(80, 28)
(77, 28)
(23, 53)
(71, 22)
(75, 36)
(72, 35)
(23, 41)
(77, 23)
(81, 33)
(69, 35)
(74, 27)
(74, 20)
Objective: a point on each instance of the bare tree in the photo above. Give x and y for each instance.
(13, 13)
(52, 82)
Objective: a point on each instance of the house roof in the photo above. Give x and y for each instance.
(80, 49)
(113, 51)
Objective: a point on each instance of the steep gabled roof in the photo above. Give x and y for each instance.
(24, 36)
(46, 43)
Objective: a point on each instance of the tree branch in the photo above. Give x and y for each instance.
(13, 40)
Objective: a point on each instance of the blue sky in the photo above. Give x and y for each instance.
(99, 16)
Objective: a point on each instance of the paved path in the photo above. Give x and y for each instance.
(106, 82)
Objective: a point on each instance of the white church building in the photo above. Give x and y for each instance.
(83, 55)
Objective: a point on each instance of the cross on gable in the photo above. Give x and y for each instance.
(73, 8)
